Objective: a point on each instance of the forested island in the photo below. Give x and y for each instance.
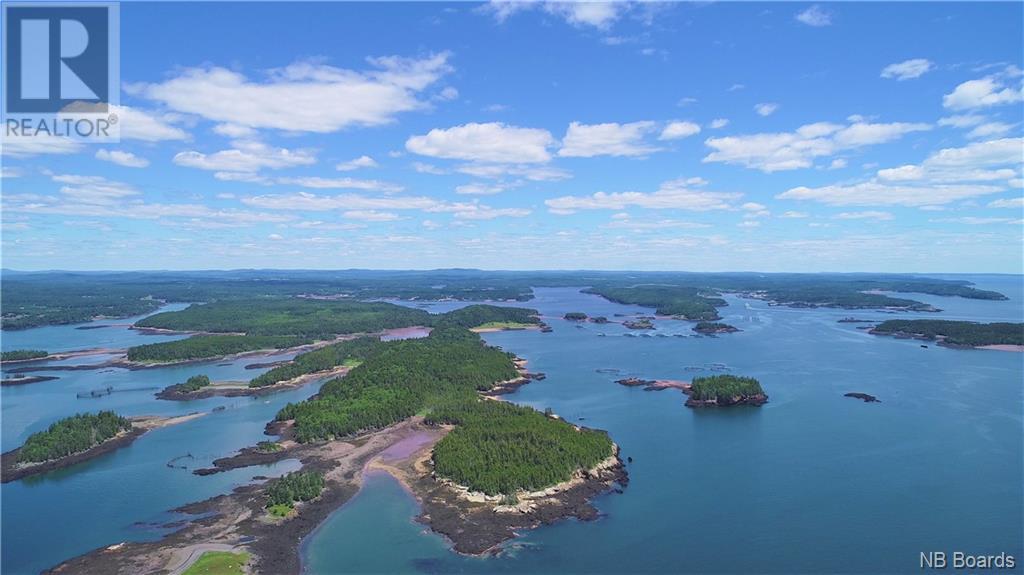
(207, 346)
(725, 390)
(285, 492)
(949, 333)
(23, 355)
(75, 439)
(575, 316)
(712, 328)
(680, 302)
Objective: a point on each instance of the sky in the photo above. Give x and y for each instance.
(642, 136)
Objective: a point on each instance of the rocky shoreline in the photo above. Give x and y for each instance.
(11, 470)
(241, 389)
(27, 380)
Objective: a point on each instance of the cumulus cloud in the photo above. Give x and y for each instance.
(20, 146)
(814, 16)
(908, 69)
(1016, 203)
(600, 15)
(121, 158)
(948, 175)
(770, 152)
(371, 215)
(866, 215)
(766, 108)
(989, 130)
(490, 142)
(302, 97)
(609, 139)
(673, 194)
(135, 124)
(718, 123)
(245, 157)
(995, 90)
(677, 130)
(319, 183)
(360, 162)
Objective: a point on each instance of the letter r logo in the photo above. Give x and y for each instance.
(56, 56)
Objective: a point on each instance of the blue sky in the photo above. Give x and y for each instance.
(707, 137)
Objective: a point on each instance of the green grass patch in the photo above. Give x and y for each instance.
(219, 563)
(280, 509)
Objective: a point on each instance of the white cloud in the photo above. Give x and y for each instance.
(671, 195)
(319, 183)
(1016, 203)
(794, 214)
(448, 94)
(609, 139)
(719, 123)
(275, 237)
(25, 146)
(360, 162)
(735, 87)
(644, 225)
(302, 97)
(92, 189)
(371, 215)
(475, 211)
(908, 69)
(234, 131)
(770, 152)
(676, 130)
(837, 164)
(814, 16)
(766, 108)
(245, 157)
(136, 124)
(755, 210)
(982, 93)
(976, 221)
(989, 130)
(876, 193)
(530, 172)
(866, 215)
(481, 189)
(962, 120)
(424, 168)
(749, 224)
(121, 158)
(490, 142)
(600, 15)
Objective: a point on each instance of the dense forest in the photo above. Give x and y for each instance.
(295, 486)
(575, 316)
(22, 354)
(955, 332)
(194, 383)
(30, 299)
(352, 351)
(72, 435)
(207, 346)
(498, 447)
(477, 315)
(440, 376)
(724, 386)
(303, 317)
(683, 302)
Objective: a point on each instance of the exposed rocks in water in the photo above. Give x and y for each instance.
(539, 376)
(640, 323)
(85, 327)
(546, 329)
(855, 320)
(270, 364)
(25, 380)
(866, 397)
(599, 319)
(757, 400)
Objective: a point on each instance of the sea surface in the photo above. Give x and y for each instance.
(812, 482)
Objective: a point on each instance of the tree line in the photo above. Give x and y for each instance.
(72, 435)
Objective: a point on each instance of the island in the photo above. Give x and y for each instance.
(866, 397)
(22, 355)
(76, 439)
(713, 328)
(424, 410)
(725, 391)
(575, 316)
(681, 302)
(639, 323)
(1002, 336)
(22, 379)
(599, 319)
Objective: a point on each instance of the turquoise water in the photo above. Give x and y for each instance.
(812, 482)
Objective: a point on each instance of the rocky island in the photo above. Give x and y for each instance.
(76, 439)
(714, 328)
(866, 397)
(725, 391)
(639, 323)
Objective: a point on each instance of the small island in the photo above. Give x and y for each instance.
(713, 328)
(599, 319)
(725, 391)
(23, 355)
(1002, 336)
(22, 379)
(639, 323)
(76, 439)
(575, 316)
(868, 398)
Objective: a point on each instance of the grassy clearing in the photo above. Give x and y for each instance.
(219, 563)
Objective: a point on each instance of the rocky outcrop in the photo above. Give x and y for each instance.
(866, 397)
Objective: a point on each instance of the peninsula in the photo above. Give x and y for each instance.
(1002, 336)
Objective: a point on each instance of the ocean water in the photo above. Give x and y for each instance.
(812, 482)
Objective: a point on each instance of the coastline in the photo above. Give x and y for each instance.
(141, 424)
(941, 341)
(242, 389)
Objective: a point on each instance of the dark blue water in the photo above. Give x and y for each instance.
(812, 482)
